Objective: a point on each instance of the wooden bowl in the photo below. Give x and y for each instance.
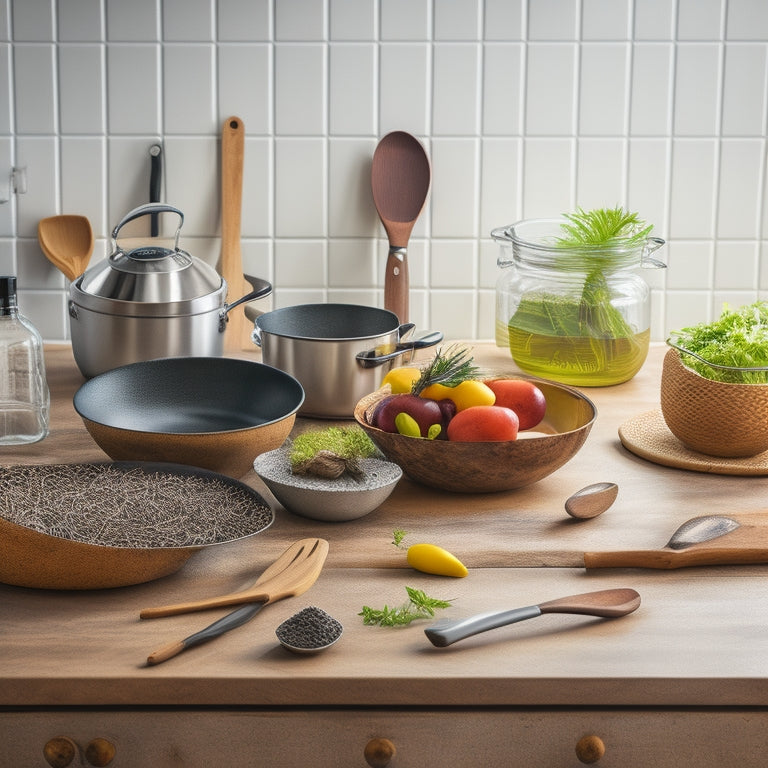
(715, 418)
(489, 467)
(212, 412)
(51, 549)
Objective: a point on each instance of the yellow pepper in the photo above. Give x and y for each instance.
(401, 379)
(464, 395)
(430, 558)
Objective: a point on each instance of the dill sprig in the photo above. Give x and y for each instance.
(603, 226)
(397, 536)
(449, 368)
(419, 606)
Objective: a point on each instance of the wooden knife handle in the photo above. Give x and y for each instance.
(668, 558)
(397, 284)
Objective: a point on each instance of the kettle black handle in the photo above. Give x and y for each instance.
(144, 210)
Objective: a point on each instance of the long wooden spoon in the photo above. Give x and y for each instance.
(67, 242)
(607, 603)
(293, 573)
(400, 179)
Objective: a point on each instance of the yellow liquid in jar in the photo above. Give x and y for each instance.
(585, 361)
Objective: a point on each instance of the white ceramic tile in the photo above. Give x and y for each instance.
(403, 93)
(502, 102)
(453, 263)
(45, 309)
(7, 257)
(352, 263)
(258, 183)
(654, 20)
(134, 22)
(739, 190)
(736, 265)
(700, 19)
(258, 261)
(34, 88)
(83, 179)
(290, 297)
(690, 265)
(300, 200)
(733, 299)
(33, 20)
(5, 90)
(504, 19)
(5, 20)
(600, 174)
(80, 21)
(351, 211)
(457, 20)
(454, 313)
(548, 177)
(455, 89)
(360, 296)
(300, 263)
(352, 89)
(244, 20)
(763, 267)
(550, 89)
(604, 87)
(553, 20)
(605, 19)
(454, 193)
(651, 94)
(685, 308)
(81, 89)
(692, 203)
(188, 86)
(300, 20)
(244, 85)
(188, 20)
(133, 73)
(300, 88)
(744, 90)
(500, 183)
(486, 315)
(8, 210)
(353, 19)
(697, 78)
(647, 183)
(746, 20)
(488, 270)
(405, 19)
(38, 155)
(35, 271)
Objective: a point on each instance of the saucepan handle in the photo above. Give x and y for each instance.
(369, 358)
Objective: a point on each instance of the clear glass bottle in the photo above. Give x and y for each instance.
(577, 315)
(24, 395)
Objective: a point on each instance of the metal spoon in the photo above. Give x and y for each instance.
(607, 603)
(591, 500)
(400, 179)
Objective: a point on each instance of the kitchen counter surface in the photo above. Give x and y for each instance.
(699, 639)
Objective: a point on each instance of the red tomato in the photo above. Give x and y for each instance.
(484, 424)
(523, 397)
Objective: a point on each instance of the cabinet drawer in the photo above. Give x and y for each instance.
(421, 738)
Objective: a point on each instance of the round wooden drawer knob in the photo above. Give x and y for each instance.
(100, 752)
(589, 749)
(379, 752)
(59, 752)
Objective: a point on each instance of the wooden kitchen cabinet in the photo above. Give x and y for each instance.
(681, 682)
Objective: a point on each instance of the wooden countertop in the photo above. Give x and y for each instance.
(697, 639)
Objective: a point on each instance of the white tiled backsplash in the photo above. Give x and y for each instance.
(526, 109)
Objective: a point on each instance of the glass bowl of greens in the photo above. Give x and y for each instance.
(714, 384)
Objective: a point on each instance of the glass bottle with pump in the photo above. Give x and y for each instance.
(24, 395)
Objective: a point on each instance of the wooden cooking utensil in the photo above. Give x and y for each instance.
(67, 242)
(293, 573)
(400, 179)
(606, 603)
(706, 540)
(237, 335)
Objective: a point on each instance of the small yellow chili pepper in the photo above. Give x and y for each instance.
(430, 558)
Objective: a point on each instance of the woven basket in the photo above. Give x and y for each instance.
(713, 417)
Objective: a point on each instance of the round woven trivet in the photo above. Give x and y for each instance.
(648, 436)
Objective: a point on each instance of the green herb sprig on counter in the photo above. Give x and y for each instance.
(419, 606)
(737, 339)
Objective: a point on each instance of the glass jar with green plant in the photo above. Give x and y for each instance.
(569, 304)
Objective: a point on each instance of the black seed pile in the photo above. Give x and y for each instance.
(129, 506)
(309, 629)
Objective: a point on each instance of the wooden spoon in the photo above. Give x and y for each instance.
(400, 179)
(591, 500)
(67, 241)
(606, 603)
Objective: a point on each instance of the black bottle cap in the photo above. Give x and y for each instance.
(7, 292)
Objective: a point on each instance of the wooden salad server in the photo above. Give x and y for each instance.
(706, 540)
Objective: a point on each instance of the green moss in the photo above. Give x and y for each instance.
(348, 443)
